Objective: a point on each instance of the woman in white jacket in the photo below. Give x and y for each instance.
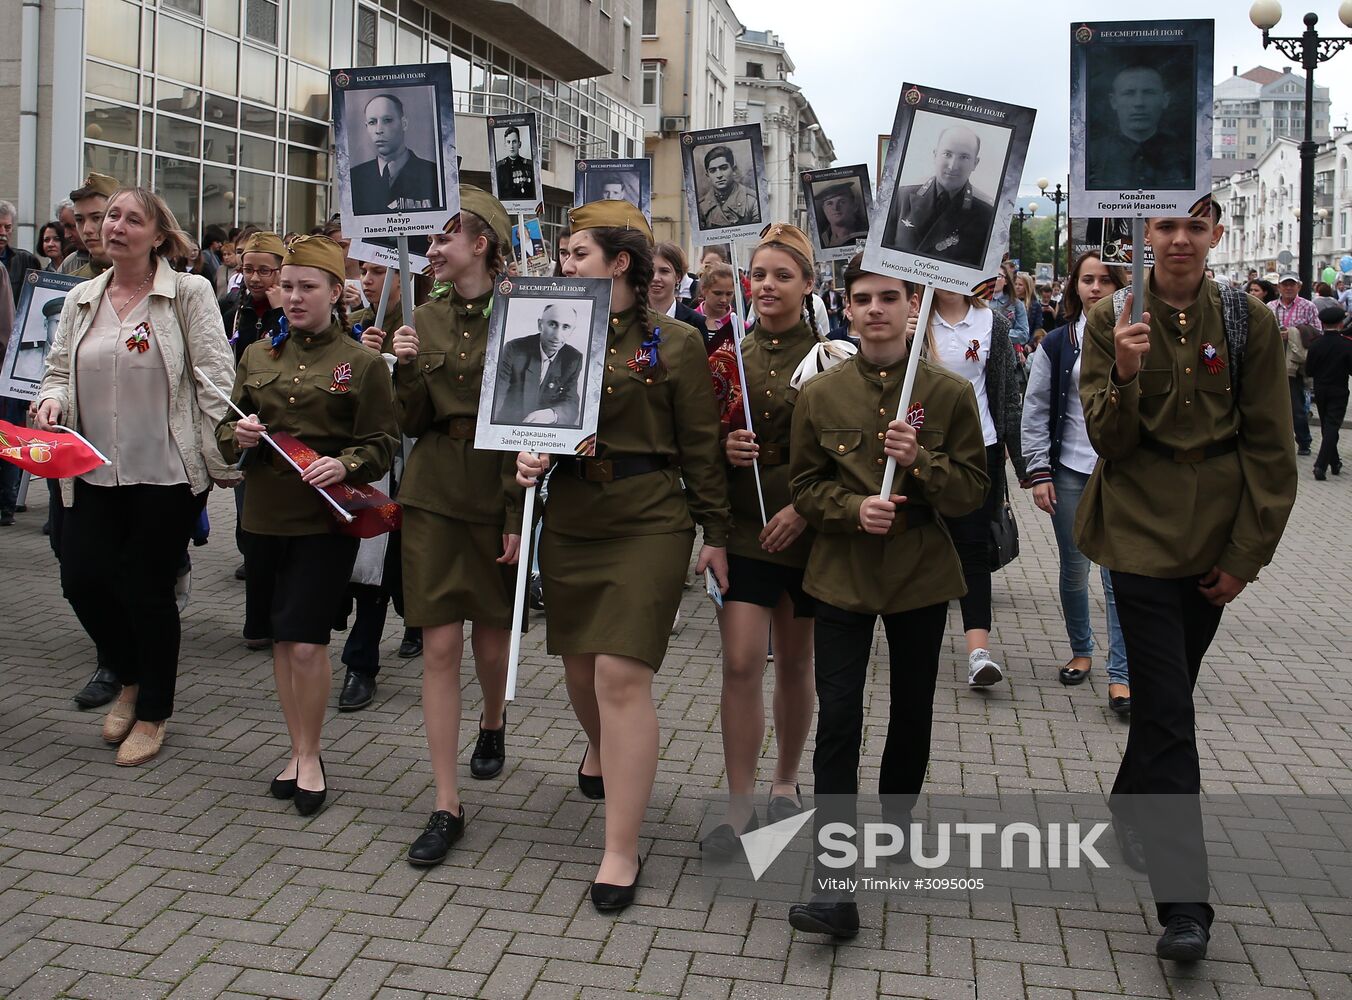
(120, 371)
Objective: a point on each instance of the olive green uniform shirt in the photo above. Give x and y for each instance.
(840, 420)
(769, 360)
(1148, 514)
(448, 475)
(394, 319)
(300, 392)
(669, 411)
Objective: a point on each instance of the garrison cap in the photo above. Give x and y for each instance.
(100, 184)
(789, 236)
(263, 243)
(488, 208)
(609, 215)
(317, 251)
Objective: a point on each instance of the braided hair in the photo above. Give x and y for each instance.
(613, 241)
(808, 314)
(340, 308)
(474, 226)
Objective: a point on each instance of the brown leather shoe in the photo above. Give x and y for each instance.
(138, 747)
(119, 720)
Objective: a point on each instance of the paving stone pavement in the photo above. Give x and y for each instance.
(183, 878)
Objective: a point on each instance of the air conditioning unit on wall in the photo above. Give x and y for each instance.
(675, 123)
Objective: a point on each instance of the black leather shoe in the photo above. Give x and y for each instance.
(282, 788)
(1121, 705)
(840, 920)
(1129, 843)
(1070, 676)
(1183, 940)
(358, 692)
(1304, 450)
(591, 785)
(535, 592)
(102, 688)
(722, 843)
(309, 802)
(434, 843)
(611, 898)
(1319, 474)
(490, 752)
(6, 519)
(411, 646)
(239, 572)
(781, 807)
(1336, 468)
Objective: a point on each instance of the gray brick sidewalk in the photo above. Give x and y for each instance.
(185, 879)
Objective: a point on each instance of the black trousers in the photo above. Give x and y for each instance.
(1299, 418)
(371, 602)
(971, 535)
(842, 641)
(1167, 626)
(121, 547)
(1332, 410)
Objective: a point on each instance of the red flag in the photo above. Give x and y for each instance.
(373, 512)
(727, 386)
(50, 454)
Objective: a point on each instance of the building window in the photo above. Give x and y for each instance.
(626, 41)
(260, 21)
(755, 70)
(187, 6)
(652, 85)
(649, 24)
(366, 37)
(1251, 140)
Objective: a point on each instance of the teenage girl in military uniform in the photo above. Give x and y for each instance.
(618, 529)
(766, 560)
(462, 508)
(315, 382)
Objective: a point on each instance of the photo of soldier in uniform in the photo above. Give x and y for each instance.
(516, 172)
(614, 180)
(539, 376)
(723, 168)
(944, 205)
(839, 201)
(1148, 139)
(35, 321)
(394, 145)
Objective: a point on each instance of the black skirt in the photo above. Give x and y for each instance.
(756, 581)
(298, 582)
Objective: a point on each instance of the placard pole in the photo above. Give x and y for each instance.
(908, 383)
(738, 332)
(385, 298)
(519, 600)
(1137, 267)
(527, 248)
(405, 279)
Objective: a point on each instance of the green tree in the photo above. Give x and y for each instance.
(1034, 244)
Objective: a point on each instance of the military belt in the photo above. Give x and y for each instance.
(1190, 456)
(607, 470)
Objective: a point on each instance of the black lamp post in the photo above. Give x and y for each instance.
(1309, 50)
(1058, 197)
(1021, 215)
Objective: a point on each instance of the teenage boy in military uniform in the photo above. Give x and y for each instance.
(874, 555)
(1189, 412)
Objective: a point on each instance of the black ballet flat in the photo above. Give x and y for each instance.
(283, 788)
(781, 807)
(309, 802)
(591, 785)
(1070, 676)
(609, 898)
(723, 843)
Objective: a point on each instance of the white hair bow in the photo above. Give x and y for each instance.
(827, 354)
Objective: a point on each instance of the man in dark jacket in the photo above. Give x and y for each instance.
(537, 380)
(1329, 363)
(16, 261)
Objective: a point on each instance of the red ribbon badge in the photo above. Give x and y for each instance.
(139, 341)
(915, 415)
(1213, 361)
(641, 361)
(974, 352)
(342, 375)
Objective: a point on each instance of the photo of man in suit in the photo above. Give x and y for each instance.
(538, 376)
(944, 217)
(1132, 149)
(397, 180)
(516, 173)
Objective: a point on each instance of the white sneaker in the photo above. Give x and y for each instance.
(982, 671)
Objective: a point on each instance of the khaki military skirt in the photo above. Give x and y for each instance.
(613, 595)
(451, 573)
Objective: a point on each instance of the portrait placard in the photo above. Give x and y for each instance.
(1115, 244)
(839, 201)
(394, 139)
(35, 323)
(725, 192)
(947, 193)
(1140, 116)
(514, 148)
(384, 250)
(544, 365)
(615, 180)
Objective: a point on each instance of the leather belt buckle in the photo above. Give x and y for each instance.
(1190, 456)
(598, 470)
(461, 428)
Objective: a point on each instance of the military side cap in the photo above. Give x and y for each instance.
(94, 184)
(317, 251)
(264, 243)
(836, 190)
(488, 208)
(609, 215)
(789, 236)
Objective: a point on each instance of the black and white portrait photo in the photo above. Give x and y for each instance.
(615, 180)
(512, 147)
(544, 364)
(1141, 114)
(724, 193)
(947, 192)
(839, 200)
(35, 321)
(394, 133)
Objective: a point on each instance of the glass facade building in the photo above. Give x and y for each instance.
(223, 105)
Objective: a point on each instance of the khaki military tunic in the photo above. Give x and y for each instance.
(613, 555)
(1146, 513)
(458, 500)
(305, 391)
(769, 360)
(840, 420)
(394, 319)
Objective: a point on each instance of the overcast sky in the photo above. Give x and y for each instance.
(852, 56)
